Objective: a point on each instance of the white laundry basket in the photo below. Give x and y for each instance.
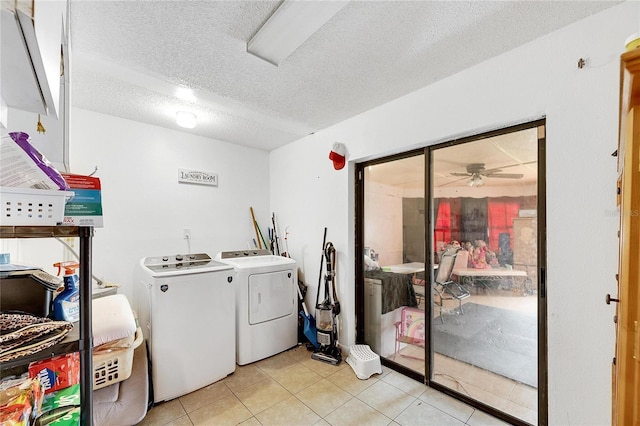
(114, 365)
(364, 361)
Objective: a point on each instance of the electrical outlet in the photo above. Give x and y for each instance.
(187, 233)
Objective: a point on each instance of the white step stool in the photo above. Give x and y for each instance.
(364, 361)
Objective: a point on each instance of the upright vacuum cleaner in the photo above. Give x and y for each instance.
(327, 311)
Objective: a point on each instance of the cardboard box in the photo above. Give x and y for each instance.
(58, 372)
(85, 208)
(63, 414)
(66, 397)
(66, 416)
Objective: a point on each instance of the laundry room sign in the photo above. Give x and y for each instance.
(197, 177)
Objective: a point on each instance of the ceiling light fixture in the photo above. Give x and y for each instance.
(291, 24)
(476, 180)
(186, 119)
(186, 94)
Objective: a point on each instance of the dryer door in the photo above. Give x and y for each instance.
(271, 296)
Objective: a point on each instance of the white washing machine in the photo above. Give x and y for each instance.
(266, 303)
(186, 308)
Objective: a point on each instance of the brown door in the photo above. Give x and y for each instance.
(626, 377)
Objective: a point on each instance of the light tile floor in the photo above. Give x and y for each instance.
(500, 392)
(504, 394)
(292, 389)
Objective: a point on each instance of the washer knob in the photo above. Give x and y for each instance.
(178, 257)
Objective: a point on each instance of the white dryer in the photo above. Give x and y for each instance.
(266, 303)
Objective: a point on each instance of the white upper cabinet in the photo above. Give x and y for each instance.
(31, 56)
(50, 26)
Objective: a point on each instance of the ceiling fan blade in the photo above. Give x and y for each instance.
(499, 169)
(505, 175)
(452, 181)
(461, 174)
(490, 171)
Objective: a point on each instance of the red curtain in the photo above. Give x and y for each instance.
(442, 231)
(500, 219)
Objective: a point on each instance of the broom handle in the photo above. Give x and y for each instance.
(255, 227)
(266, 246)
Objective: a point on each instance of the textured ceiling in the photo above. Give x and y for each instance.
(130, 57)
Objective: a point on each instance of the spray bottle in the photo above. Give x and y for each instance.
(66, 306)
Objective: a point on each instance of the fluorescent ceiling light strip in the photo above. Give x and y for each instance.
(290, 26)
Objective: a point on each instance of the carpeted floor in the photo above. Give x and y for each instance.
(498, 340)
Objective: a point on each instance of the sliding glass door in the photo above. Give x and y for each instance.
(485, 214)
(450, 280)
(393, 249)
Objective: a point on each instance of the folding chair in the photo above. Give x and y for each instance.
(444, 287)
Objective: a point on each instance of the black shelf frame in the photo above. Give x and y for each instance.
(81, 338)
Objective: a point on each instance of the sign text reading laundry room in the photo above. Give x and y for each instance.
(199, 177)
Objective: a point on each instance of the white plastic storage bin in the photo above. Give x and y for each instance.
(32, 207)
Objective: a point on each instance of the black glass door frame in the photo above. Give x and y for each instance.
(541, 267)
(359, 249)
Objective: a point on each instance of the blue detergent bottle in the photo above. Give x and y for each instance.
(66, 306)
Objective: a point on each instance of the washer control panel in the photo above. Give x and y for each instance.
(180, 261)
(243, 253)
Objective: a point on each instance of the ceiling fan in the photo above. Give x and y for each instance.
(476, 171)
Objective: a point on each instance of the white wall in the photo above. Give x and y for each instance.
(146, 209)
(50, 144)
(538, 79)
(383, 229)
(486, 191)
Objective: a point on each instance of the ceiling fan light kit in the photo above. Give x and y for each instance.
(476, 180)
